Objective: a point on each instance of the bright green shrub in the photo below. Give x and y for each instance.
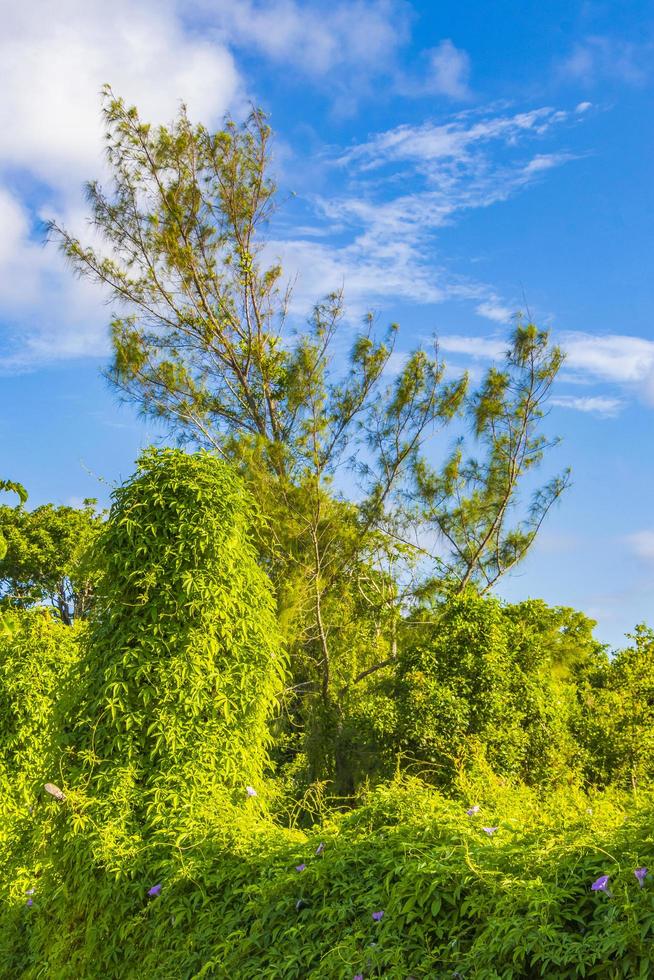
(183, 664)
(163, 724)
(36, 654)
(166, 716)
(514, 904)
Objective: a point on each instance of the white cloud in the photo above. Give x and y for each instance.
(52, 70)
(477, 347)
(545, 161)
(368, 275)
(363, 35)
(596, 405)
(449, 71)
(452, 141)
(47, 315)
(493, 309)
(613, 357)
(156, 53)
(641, 544)
(387, 238)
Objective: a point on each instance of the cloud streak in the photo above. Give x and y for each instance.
(384, 239)
(594, 405)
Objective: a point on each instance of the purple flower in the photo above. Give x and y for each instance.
(601, 884)
(640, 874)
(154, 890)
(471, 812)
(300, 867)
(358, 976)
(30, 891)
(320, 848)
(489, 830)
(378, 916)
(29, 903)
(250, 790)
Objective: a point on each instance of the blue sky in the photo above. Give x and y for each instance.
(450, 164)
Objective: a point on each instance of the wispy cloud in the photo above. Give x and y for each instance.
(457, 141)
(601, 57)
(362, 35)
(491, 348)
(595, 405)
(384, 237)
(494, 309)
(449, 71)
(344, 48)
(376, 238)
(617, 358)
(641, 544)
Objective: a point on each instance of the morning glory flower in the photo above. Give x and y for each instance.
(250, 790)
(601, 884)
(29, 903)
(378, 916)
(154, 890)
(471, 812)
(300, 867)
(358, 976)
(640, 874)
(489, 830)
(320, 848)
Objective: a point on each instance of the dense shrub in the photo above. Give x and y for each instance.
(456, 900)
(36, 654)
(475, 676)
(616, 721)
(183, 663)
(165, 716)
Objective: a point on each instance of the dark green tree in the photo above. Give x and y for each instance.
(616, 720)
(46, 558)
(478, 679)
(19, 489)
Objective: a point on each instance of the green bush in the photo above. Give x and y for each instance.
(162, 858)
(615, 724)
(475, 676)
(166, 714)
(457, 900)
(37, 653)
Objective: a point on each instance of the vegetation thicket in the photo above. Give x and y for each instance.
(267, 718)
